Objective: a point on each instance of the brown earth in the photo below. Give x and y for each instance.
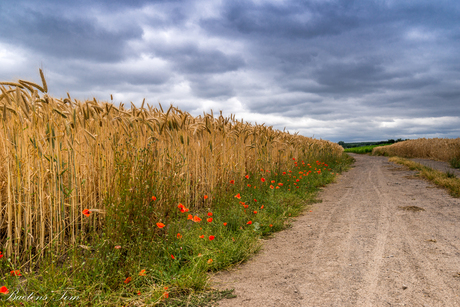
(366, 244)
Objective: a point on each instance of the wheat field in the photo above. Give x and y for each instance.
(61, 156)
(440, 149)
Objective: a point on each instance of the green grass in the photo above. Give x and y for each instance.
(363, 149)
(455, 162)
(96, 272)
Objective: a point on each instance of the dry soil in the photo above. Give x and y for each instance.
(380, 237)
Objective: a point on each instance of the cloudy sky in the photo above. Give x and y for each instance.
(333, 69)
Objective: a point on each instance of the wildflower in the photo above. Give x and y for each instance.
(270, 225)
(225, 224)
(15, 273)
(179, 236)
(238, 196)
(284, 173)
(262, 179)
(249, 185)
(117, 246)
(209, 220)
(206, 197)
(262, 207)
(211, 238)
(232, 181)
(245, 206)
(209, 214)
(1, 255)
(247, 176)
(297, 180)
(293, 159)
(190, 217)
(142, 273)
(273, 181)
(154, 198)
(255, 212)
(180, 206)
(138, 292)
(249, 223)
(196, 219)
(200, 255)
(255, 200)
(271, 187)
(4, 290)
(277, 187)
(166, 295)
(160, 225)
(202, 237)
(86, 212)
(127, 280)
(209, 261)
(172, 257)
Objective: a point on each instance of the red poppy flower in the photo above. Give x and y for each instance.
(172, 257)
(4, 290)
(180, 206)
(209, 214)
(293, 159)
(270, 225)
(15, 273)
(238, 196)
(142, 273)
(262, 179)
(86, 212)
(202, 236)
(160, 225)
(209, 261)
(255, 200)
(225, 224)
(127, 280)
(277, 187)
(206, 197)
(273, 181)
(272, 187)
(255, 212)
(232, 181)
(196, 219)
(249, 223)
(166, 295)
(280, 184)
(209, 220)
(297, 180)
(211, 238)
(179, 236)
(1, 255)
(284, 173)
(262, 207)
(154, 198)
(247, 176)
(117, 246)
(190, 217)
(249, 185)
(246, 206)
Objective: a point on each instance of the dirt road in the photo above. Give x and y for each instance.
(359, 247)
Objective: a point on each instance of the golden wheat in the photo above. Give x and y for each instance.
(436, 149)
(57, 157)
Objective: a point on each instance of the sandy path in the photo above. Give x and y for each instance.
(359, 248)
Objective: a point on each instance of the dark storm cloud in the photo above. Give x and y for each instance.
(340, 69)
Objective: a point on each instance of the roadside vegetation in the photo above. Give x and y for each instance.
(447, 150)
(108, 206)
(445, 180)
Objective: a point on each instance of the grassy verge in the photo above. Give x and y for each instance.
(443, 179)
(363, 149)
(165, 262)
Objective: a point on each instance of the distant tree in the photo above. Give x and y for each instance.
(391, 141)
(342, 143)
